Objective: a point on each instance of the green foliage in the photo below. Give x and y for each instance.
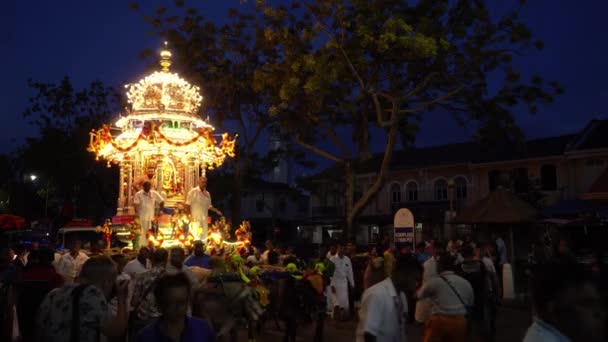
(64, 117)
(322, 66)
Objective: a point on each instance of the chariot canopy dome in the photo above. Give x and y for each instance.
(161, 137)
(162, 119)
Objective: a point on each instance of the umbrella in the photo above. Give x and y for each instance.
(499, 207)
(11, 222)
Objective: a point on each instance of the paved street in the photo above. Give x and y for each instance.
(511, 326)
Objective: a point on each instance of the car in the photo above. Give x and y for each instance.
(90, 238)
(11, 237)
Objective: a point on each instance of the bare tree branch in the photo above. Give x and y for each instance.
(382, 173)
(421, 86)
(319, 151)
(332, 134)
(432, 102)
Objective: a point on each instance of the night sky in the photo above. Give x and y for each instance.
(89, 40)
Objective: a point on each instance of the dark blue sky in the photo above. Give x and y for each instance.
(88, 40)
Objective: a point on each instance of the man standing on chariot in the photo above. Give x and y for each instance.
(198, 204)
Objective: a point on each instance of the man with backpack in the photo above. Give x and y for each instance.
(79, 312)
(476, 273)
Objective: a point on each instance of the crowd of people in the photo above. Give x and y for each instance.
(453, 289)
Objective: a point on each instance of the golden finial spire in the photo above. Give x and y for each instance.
(165, 58)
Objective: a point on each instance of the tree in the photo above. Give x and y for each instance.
(366, 65)
(222, 59)
(64, 117)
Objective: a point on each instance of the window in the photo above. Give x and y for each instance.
(411, 191)
(395, 193)
(520, 181)
(460, 185)
(493, 179)
(441, 190)
(548, 177)
(259, 203)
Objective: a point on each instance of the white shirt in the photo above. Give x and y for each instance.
(343, 270)
(253, 260)
(379, 313)
(445, 301)
(146, 202)
(134, 267)
(487, 262)
(199, 202)
(70, 267)
(540, 331)
(429, 268)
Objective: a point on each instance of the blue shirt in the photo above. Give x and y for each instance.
(540, 331)
(199, 261)
(196, 330)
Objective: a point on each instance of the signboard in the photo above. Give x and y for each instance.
(403, 225)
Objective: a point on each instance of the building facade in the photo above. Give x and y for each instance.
(435, 181)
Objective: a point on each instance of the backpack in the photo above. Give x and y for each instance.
(475, 273)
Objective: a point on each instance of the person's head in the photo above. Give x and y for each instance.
(143, 255)
(467, 251)
(35, 246)
(373, 251)
(269, 245)
(20, 250)
(333, 249)
(351, 248)
(147, 186)
(420, 247)
(177, 257)
(75, 246)
(341, 249)
(445, 262)
(160, 257)
(199, 248)
(438, 248)
(100, 271)
(273, 258)
(405, 250)
(289, 250)
(257, 253)
(172, 293)
(202, 183)
(569, 301)
(5, 256)
(120, 261)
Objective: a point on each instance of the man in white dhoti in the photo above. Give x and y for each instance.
(340, 281)
(198, 204)
(146, 201)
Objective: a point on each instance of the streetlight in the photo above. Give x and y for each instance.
(33, 178)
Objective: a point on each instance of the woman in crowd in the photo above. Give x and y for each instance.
(173, 294)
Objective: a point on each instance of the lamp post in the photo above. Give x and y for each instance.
(33, 177)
